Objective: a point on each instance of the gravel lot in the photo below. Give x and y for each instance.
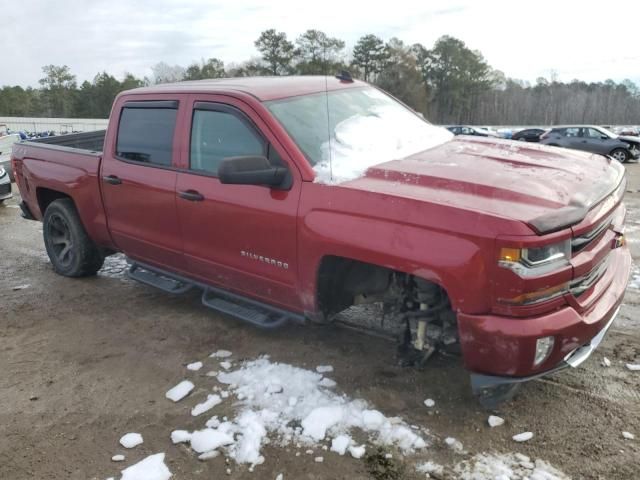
(86, 361)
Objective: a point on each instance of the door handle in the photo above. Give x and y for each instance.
(191, 195)
(112, 179)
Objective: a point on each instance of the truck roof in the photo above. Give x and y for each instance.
(263, 88)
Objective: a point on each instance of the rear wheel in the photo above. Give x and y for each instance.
(71, 251)
(620, 154)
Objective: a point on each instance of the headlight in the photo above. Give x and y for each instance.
(536, 261)
(2, 172)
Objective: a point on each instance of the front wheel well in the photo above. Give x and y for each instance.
(343, 282)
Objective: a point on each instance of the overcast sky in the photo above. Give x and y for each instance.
(591, 41)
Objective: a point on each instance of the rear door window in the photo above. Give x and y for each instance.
(145, 132)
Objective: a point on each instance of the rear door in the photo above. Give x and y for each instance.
(139, 180)
(238, 237)
(597, 141)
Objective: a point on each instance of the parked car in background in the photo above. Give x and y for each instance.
(593, 139)
(528, 135)
(6, 142)
(467, 130)
(5, 185)
(627, 131)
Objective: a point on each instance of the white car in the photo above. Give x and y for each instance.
(6, 142)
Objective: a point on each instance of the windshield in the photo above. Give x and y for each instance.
(367, 128)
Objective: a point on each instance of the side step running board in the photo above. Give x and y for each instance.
(251, 311)
(154, 278)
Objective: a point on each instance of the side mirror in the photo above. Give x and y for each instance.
(253, 170)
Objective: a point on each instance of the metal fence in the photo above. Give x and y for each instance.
(57, 125)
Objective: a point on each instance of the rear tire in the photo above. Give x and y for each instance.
(621, 155)
(71, 251)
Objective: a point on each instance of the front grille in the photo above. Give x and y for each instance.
(578, 243)
(584, 283)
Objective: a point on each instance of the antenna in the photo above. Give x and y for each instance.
(326, 94)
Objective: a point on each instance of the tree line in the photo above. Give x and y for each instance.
(448, 83)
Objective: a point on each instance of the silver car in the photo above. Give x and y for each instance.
(5, 185)
(593, 139)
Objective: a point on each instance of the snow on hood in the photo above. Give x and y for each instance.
(362, 141)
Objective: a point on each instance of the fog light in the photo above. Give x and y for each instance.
(544, 346)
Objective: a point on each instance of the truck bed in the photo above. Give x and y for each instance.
(89, 141)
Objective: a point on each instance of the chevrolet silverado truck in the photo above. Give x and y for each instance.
(297, 198)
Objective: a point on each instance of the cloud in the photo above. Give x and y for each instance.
(572, 38)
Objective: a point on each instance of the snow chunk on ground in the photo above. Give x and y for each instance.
(151, 468)
(633, 367)
(280, 477)
(340, 444)
(195, 366)
(523, 437)
(430, 467)
(221, 354)
(495, 421)
(628, 435)
(208, 404)
(453, 444)
(131, 440)
(209, 439)
(180, 391)
(320, 420)
(357, 452)
(225, 365)
(429, 403)
(327, 382)
(180, 436)
(324, 369)
(505, 467)
(606, 362)
(117, 458)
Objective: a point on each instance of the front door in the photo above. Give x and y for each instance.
(139, 181)
(238, 237)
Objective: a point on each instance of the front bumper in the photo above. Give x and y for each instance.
(501, 349)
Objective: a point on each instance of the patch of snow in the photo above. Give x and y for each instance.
(226, 365)
(117, 458)
(221, 354)
(327, 382)
(606, 362)
(633, 367)
(386, 132)
(180, 436)
(151, 468)
(453, 444)
(209, 439)
(628, 435)
(195, 366)
(429, 403)
(180, 391)
(212, 373)
(213, 422)
(131, 440)
(523, 437)
(208, 455)
(340, 444)
(208, 404)
(324, 369)
(318, 459)
(21, 287)
(291, 404)
(280, 477)
(357, 452)
(505, 467)
(430, 468)
(495, 421)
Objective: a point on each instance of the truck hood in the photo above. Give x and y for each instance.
(548, 188)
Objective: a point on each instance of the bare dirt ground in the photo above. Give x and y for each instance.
(84, 361)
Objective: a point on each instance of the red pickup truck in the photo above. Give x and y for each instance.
(296, 198)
